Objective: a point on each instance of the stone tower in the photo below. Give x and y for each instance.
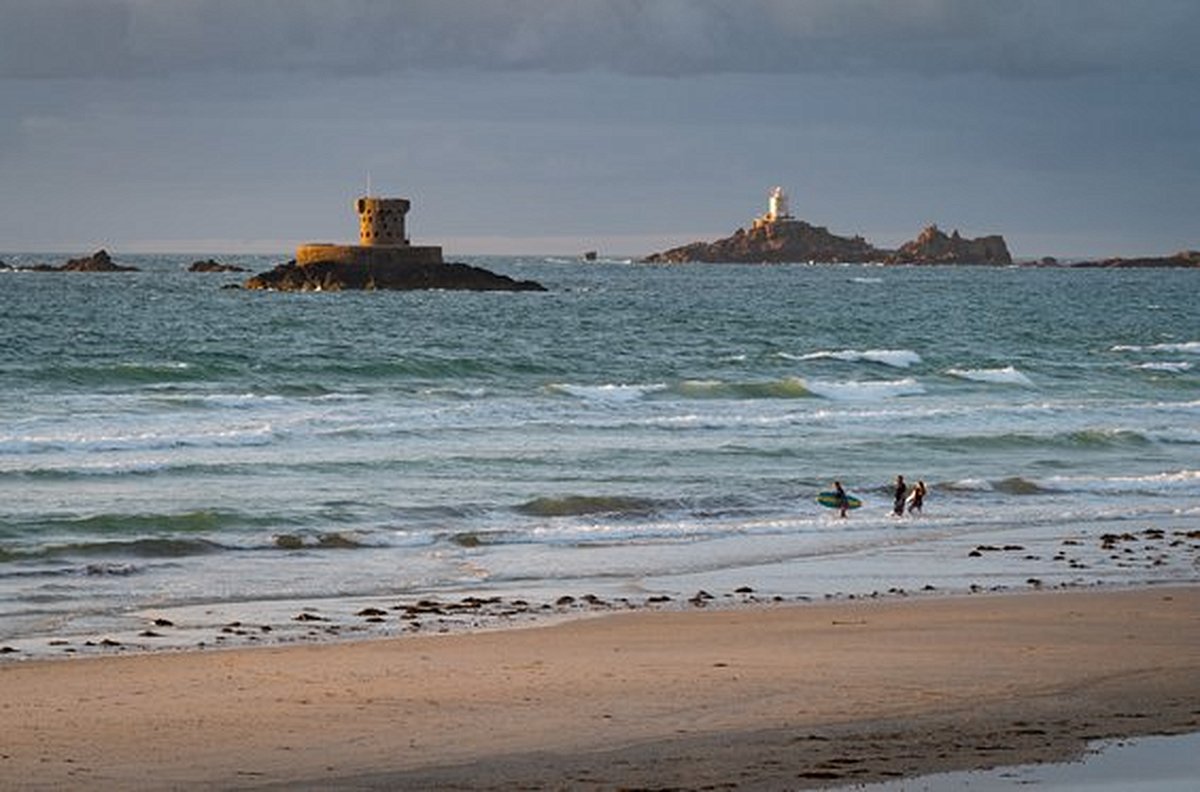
(382, 239)
(381, 220)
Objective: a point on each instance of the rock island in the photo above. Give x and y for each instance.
(777, 236)
(383, 259)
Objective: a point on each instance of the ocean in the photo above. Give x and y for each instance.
(214, 458)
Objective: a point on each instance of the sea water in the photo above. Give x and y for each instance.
(635, 431)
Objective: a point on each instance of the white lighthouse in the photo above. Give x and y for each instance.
(777, 205)
(777, 209)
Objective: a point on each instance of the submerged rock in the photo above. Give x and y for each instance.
(211, 265)
(340, 276)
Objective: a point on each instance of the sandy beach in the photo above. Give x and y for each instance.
(765, 697)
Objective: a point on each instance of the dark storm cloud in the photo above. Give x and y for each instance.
(1013, 38)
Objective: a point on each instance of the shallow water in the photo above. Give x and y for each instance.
(1145, 764)
(636, 430)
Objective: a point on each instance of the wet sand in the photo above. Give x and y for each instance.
(755, 697)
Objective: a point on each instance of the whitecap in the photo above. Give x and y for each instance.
(1167, 483)
(897, 358)
(1175, 367)
(232, 437)
(971, 485)
(607, 393)
(1189, 347)
(864, 391)
(1009, 375)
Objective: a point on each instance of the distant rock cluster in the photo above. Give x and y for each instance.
(1184, 258)
(933, 246)
(99, 261)
(798, 241)
(326, 275)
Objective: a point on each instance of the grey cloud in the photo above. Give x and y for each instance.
(1012, 38)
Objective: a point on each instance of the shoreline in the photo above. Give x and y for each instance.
(1010, 562)
(757, 697)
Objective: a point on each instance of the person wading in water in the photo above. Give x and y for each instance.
(898, 502)
(843, 500)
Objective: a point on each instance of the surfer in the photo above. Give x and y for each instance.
(917, 499)
(898, 502)
(843, 500)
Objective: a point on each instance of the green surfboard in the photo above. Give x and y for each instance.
(830, 500)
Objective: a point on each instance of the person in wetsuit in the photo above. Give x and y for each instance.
(843, 500)
(917, 500)
(898, 502)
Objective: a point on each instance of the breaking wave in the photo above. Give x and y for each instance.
(579, 505)
(231, 437)
(1190, 347)
(897, 358)
(1009, 375)
(1079, 439)
(1173, 483)
(865, 391)
(1174, 367)
(611, 393)
(786, 388)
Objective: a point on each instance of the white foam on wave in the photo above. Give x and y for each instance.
(897, 358)
(971, 485)
(256, 435)
(1174, 367)
(1009, 375)
(613, 393)
(166, 365)
(864, 391)
(1190, 347)
(1167, 483)
(239, 400)
(115, 468)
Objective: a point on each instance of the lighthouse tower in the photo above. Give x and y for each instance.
(777, 210)
(777, 206)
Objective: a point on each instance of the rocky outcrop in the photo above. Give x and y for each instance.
(211, 265)
(99, 261)
(340, 276)
(1184, 258)
(784, 241)
(798, 241)
(933, 246)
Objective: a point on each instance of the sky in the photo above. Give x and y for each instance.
(1072, 127)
